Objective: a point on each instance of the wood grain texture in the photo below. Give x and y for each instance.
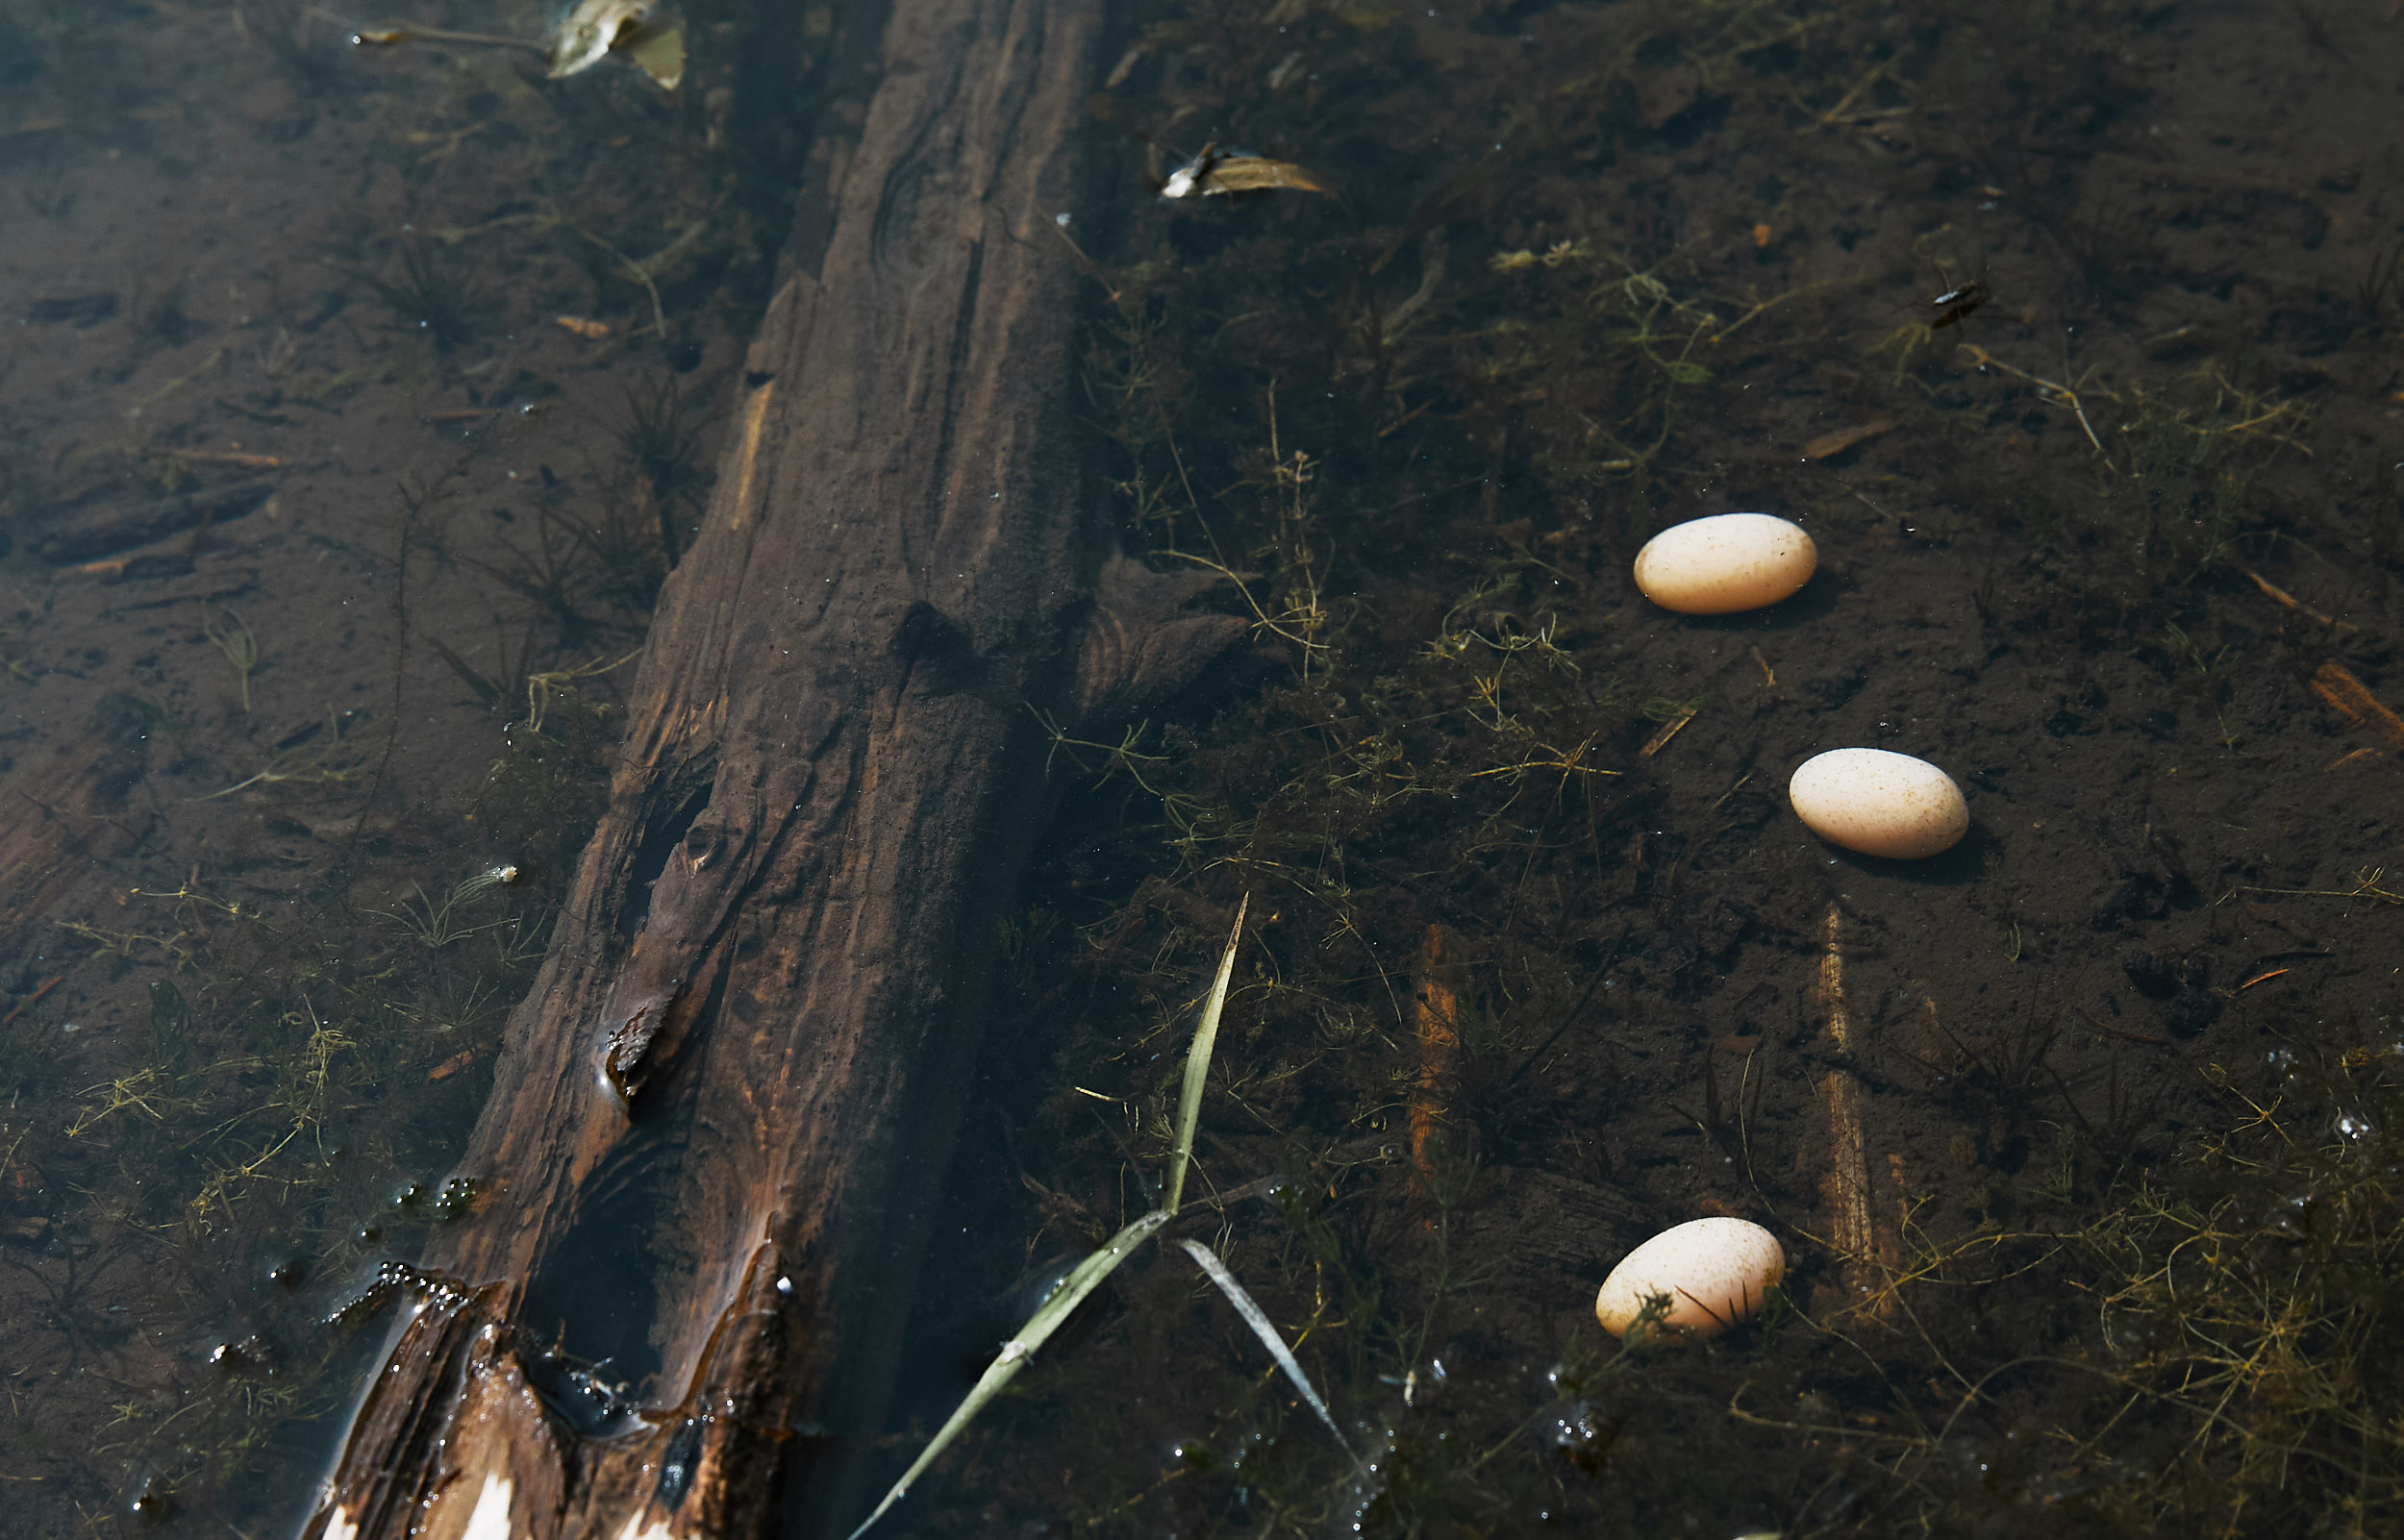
(720, 1115)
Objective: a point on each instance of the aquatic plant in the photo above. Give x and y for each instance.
(427, 293)
(1090, 1273)
(320, 754)
(229, 635)
(2222, 1338)
(660, 443)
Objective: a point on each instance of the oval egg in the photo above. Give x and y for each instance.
(1715, 1272)
(1879, 803)
(1725, 563)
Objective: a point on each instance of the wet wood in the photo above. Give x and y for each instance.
(1436, 987)
(2337, 687)
(1864, 1252)
(717, 1122)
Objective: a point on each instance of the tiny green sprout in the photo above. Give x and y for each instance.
(226, 630)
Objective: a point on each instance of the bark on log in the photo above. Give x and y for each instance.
(717, 1117)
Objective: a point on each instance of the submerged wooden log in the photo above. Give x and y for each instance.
(711, 1144)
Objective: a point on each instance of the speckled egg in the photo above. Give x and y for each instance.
(1879, 803)
(1716, 1273)
(1725, 563)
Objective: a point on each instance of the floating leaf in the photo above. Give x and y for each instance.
(660, 55)
(594, 28)
(1216, 173)
(1251, 173)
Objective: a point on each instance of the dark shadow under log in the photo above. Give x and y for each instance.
(710, 1148)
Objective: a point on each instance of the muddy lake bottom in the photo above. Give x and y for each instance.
(357, 405)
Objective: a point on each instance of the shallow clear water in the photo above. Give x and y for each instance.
(356, 402)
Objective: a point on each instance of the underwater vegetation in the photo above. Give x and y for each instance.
(2260, 1384)
(1589, 271)
(240, 1055)
(1596, 284)
(1078, 1285)
(661, 444)
(271, 1135)
(2202, 1337)
(429, 293)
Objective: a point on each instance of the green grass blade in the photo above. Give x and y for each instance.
(1083, 1280)
(1267, 1330)
(1198, 1062)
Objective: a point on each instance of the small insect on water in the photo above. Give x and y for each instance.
(1956, 302)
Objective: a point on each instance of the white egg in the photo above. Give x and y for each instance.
(1879, 803)
(1724, 563)
(1715, 1272)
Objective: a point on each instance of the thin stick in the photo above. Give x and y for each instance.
(31, 1000)
(1259, 614)
(2337, 685)
(2290, 601)
(392, 37)
(1436, 1021)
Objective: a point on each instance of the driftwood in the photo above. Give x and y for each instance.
(710, 1148)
